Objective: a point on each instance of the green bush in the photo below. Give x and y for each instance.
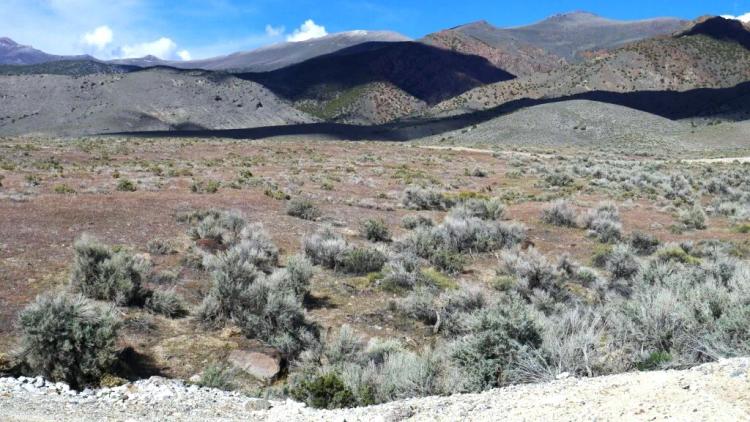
(69, 339)
(217, 376)
(125, 185)
(325, 391)
(448, 261)
(375, 231)
(303, 208)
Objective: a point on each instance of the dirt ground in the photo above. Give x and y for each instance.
(55, 190)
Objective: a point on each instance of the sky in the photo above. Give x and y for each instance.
(195, 29)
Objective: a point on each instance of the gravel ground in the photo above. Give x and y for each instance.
(713, 392)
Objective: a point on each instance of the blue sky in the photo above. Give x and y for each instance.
(204, 28)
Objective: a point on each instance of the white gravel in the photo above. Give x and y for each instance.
(713, 392)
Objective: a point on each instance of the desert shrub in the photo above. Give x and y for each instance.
(165, 277)
(622, 262)
(375, 231)
(694, 218)
(559, 179)
(205, 186)
(476, 235)
(573, 342)
(402, 271)
(494, 338)
(159, 247)
(167, 303)
(303, 208)
(324, 247)
(324, 391)
(100, 273)
(360, 261)
(417, 198)
(63, 189)
(643, 244)
(448, 261)
(603, 223)
(217, 376)
(68, 338)
(676, 253)
(485, 209)
(365, 374)
(265, 307)
(411, 222)
(296, 276)
(126, 185)
(260, 307)
(223, 227)
(533, 272)
(560, 213)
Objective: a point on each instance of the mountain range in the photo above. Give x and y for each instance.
(386, 79)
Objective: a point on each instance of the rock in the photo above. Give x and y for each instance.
(262, 364)
(257, 404)
(563, 375)
(109, 380)
(230, 332)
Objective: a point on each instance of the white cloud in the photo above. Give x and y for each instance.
(184, 55)
(274, 31)
(744, 18)
(163, 48)
(307, 31)
(98, 38)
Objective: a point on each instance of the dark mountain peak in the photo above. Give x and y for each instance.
(721, 29)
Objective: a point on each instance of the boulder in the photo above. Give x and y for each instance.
(263, 364)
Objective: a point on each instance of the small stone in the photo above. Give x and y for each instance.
(257, 404)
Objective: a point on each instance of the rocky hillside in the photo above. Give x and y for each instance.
(156, 99)
(712, 392)
(518, 58)
(695, 59)
(551, 43)
(373, 82)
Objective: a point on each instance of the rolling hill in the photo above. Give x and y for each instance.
(153, 99)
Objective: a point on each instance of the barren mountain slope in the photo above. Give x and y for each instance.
(13, 53)
(157, 99)
(394, 78)
(549, 44)
(520, 59)
(678, 63)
